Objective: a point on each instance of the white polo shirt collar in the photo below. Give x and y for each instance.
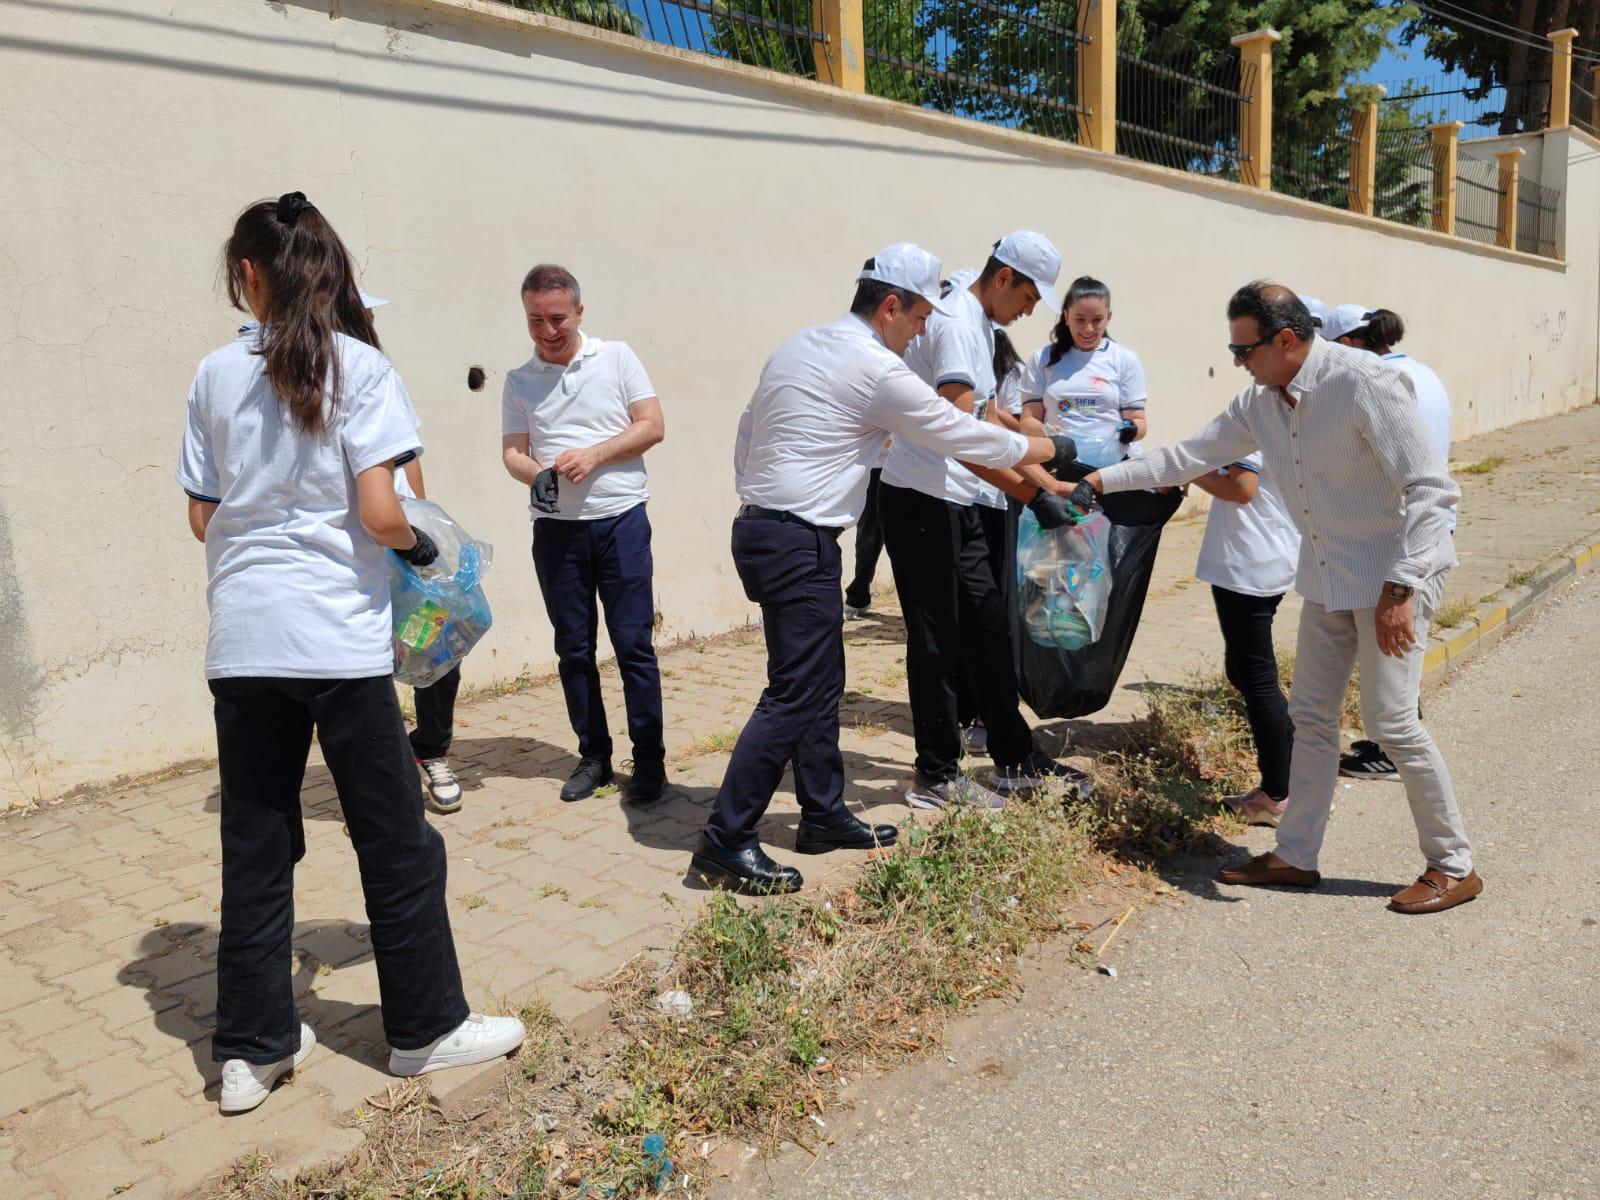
(588, 347)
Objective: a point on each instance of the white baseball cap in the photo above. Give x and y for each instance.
(1345, 319)
(1317, 309)
(910, 268)
(369, 301)
(1032, 254)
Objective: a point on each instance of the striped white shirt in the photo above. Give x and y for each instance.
(1352, 462)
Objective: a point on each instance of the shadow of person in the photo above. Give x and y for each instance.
(176, 969)
(476, 759)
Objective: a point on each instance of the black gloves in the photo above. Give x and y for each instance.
(1084, 498)
(1066, 452)
(1127, 431)
(423, 553)
(1051, 511)
(544, 491)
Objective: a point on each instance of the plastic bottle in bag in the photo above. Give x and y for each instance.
(439, 611)
(1062, 580)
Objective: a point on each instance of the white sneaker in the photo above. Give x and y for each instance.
(924, 793)
(444, 789)
(245, 1085)
(477, 1039)
(852, 613)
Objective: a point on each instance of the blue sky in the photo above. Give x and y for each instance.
(1402, 62)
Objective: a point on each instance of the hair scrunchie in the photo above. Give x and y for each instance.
(291, 205)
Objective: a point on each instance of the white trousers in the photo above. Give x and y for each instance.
(1330, 644)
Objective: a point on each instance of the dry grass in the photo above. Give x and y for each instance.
(1451, 613)
(1521, 577)
(718, 741)
(1483, 466)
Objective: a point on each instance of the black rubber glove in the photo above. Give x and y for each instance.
(423, 553)
(1051, 511)
(1066, 451)
(1126, 432)
(545, 490)
(1084, 500)
(1073, 471)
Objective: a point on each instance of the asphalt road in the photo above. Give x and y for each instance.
(1283, 1044)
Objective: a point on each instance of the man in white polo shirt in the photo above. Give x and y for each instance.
(825, 401)
(577, 418)
(956, 620)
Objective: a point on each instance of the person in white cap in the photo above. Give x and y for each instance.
(1378, 330)
(955, 615)
(1318, 311)
(826, 399)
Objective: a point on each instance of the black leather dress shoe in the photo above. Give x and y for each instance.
(742, 870)
(590, 773)
(850, 834)
(647, 784)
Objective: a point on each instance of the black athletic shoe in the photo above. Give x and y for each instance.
(1367, 760)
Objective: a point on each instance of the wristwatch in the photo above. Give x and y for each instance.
(1398, 591)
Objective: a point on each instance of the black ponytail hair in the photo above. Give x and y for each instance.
(1084, 287)
(1386, 329)
(1006, 358)
(311, 295)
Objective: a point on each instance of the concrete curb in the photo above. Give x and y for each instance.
(1491, 620)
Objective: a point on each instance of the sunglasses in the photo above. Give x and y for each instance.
(1244, 352)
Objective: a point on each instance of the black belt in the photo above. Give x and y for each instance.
(778, 514)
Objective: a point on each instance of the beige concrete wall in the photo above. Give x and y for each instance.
(708, 212)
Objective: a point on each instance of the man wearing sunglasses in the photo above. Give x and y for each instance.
(1339, 434)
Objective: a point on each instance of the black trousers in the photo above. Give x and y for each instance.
(583, 566)
(264, 729)
(1251, 665)
(955, 620)
(792, 571)
(436, 715)
(993, 521)
(869, 545)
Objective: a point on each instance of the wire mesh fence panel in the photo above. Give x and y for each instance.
(1178, 104)
(1483, 108)
(1403, 187)
(1012, 65)
(777, 34)
(1536, 218)
(1478, 195)
(1585, 110)
(1312, 153)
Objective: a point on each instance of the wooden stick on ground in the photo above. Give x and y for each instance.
(1113, 932)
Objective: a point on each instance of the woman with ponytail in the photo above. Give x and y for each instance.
(294, 429)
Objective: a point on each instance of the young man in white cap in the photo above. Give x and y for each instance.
(1318, 311)
(955, 617)
(826, 399)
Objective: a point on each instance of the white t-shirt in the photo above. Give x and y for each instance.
(574, 407)
(296, 587)
(955, 349)
(1085, 392)
(809, 436)
(1433, 406)
(1250, 548)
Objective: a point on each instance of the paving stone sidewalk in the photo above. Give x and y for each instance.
(108, 906)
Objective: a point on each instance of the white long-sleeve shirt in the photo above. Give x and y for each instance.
(812, 431)
(1353, 463)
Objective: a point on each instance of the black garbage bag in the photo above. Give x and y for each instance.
(1075, 683)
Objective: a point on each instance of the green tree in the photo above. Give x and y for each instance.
(604, 14)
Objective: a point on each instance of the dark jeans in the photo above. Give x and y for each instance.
(869, 544)
(1251, 665)
(436, 715)
(264, 729)
(609, 561)
(993, 521)
(955, 620)
(792, 571)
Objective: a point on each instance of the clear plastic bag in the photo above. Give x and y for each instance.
(439, 611)
(1063, 581)
(1093, 452)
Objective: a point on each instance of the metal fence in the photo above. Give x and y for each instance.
(776, 34)
(1536, 218)
(1478, 195)
(1178, 105)
(1312, 153)
(1483, 108)
(992, 62)
(1403, 188)
(1585, 110)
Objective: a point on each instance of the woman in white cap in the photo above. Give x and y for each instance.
(1379, 330)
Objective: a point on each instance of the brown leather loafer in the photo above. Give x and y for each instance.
(1258, 872)
(1434, 891)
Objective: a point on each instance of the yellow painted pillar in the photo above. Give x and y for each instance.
(1446, 139)
(1364, 159)
(1510, 175)
(1561, 77)
(1097, 74)
(1255, 112)
(842, 54)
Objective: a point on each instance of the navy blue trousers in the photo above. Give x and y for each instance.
(793, 572)
(583, 566)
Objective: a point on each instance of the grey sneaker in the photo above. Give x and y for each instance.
(1034, 772)
(929, 793)
(855, 613)
(974, 738)
(444, 789)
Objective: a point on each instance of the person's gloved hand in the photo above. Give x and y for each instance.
(1127, 431)
(1085, 499)
(1052, 511)
(1066, 452)
(545, 490)
(423, 553)
(1073, 471)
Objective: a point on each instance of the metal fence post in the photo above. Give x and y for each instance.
(1561, 77)
(1364, 159)
(1510, 182)
(1097, 73)
(842, 54)
(1255, 112)
(1446, 139)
